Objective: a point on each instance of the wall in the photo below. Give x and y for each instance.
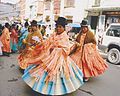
(22, 9)
(78, 11)
(110, 3)
(5, 14)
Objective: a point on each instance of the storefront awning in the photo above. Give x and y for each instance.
(99, 9)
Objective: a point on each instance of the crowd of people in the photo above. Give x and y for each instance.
(12, 36)
(54, 65)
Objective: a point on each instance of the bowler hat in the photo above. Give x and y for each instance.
(26, 24)
(61, 21)
(34, 23)
(84, 23)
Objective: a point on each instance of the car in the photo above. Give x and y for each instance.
(73, 29)
(111, 43)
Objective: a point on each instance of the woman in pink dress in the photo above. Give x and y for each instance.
(86, 55)
(53, 72)
(14, 39)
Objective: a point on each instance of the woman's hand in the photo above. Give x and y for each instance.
(77, 44)
(73, 49)
(31, 48)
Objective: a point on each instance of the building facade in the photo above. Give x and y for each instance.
(73, 10)
(8, 12)
(22, 9)
(103, 13)
(31, 9)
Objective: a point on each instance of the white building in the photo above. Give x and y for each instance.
(32, 9)
(8, 12)
(103, 13)
(73, 10)
(49, 10)
(36, 9)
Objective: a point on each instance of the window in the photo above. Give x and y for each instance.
(115, 32)
(69, 3)
(57, 6)
(47, 5)
(97, 2)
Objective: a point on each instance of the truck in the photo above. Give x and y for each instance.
(110, 43)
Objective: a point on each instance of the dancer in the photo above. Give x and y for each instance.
(14, 39)
(23, 35)
(53, 72)
(85, 54)
(5, 39)
(33, 39)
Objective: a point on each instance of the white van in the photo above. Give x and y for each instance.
(111, 43)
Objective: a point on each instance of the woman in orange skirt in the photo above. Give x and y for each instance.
(5, 39)
(86, 55)
(32, 41)
(53, 72)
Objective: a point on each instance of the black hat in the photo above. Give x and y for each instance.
(34, 23)
(7, 25)
(13, 25)
(26, 24)
(61, 21)
(84, 23)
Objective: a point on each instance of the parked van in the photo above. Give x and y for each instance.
(111, 43)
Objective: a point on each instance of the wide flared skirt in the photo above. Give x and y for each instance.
(27, 55)
(22, 59)
(89, 61)
(60, 85)
(92, 63)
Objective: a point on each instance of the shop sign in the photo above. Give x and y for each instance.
(112, 13)
(93, 14)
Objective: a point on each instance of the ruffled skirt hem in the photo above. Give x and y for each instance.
(59, 86)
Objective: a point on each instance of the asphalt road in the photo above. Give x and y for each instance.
(11, 83)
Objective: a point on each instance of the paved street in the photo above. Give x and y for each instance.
(11, 83)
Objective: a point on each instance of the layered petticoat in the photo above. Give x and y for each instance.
(89, 61)
(27, 54)
(57, 75)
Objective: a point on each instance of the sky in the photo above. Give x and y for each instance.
(10, 1)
